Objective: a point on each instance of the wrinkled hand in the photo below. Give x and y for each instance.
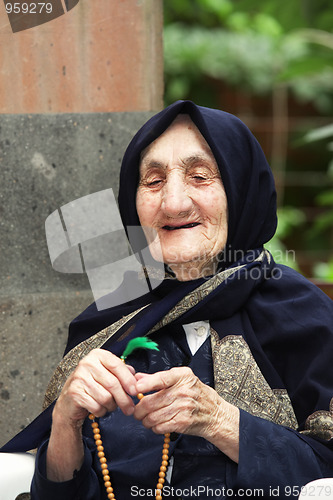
(181, 403)
(99, 384)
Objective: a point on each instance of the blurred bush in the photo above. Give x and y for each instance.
(250, 50)
(269, 54)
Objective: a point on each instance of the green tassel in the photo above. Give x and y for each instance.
(139, 343)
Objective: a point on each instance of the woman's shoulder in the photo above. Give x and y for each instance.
(291, 282)
(288, 294)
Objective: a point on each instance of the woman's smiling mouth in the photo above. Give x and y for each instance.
(184, 226)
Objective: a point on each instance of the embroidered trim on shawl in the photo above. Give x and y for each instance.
(199, 294)
(72, 358)
(239, 381)
(320, 424)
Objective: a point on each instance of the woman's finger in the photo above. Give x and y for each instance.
(99, 359)
(162, 380)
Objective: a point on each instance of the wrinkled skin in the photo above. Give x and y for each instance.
(181, 201)
(181, 403)
(101, 382)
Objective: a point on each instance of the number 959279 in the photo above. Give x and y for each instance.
(28, 7)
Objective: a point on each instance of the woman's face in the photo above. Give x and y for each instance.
(181, 197)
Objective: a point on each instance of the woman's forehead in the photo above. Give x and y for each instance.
(182, 138)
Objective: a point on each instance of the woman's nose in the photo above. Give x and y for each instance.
(176, 200)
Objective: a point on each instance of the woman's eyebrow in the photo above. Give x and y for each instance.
(197, 158)
(151, 163)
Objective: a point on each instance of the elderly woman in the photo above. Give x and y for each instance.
(242, 381)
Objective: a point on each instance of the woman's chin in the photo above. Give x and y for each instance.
(182, 252)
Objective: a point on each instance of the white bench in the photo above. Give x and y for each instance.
(16, 471)
(320, 489)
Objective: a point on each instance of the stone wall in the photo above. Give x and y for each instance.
(46, 162)
(72, 94)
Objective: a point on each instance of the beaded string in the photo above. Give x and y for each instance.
(143, 343)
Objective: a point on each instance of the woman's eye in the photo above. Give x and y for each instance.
(154, 183)
(199, 177)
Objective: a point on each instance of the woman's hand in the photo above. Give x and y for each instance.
(99, 384)
(182, 403)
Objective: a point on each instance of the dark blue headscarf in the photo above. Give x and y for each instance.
(245, 173)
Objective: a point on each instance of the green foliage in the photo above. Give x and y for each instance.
(290, 15)
(205, 12)
(318, 134)
(256, 47)
(266, 25)
(323, 271)
(250, 59)
(324, 221)
(250, 46)
(289, 218)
